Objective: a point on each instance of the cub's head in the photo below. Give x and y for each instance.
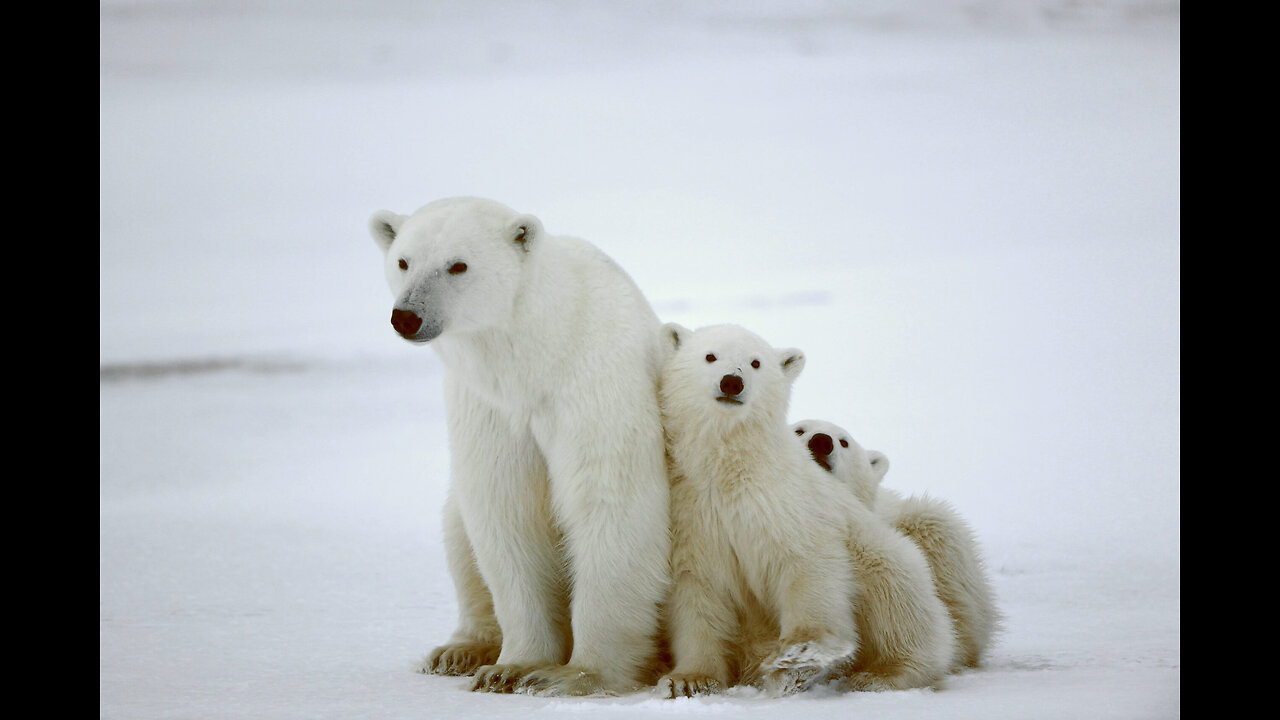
(726, 374)
(839, 454)
(455, 265)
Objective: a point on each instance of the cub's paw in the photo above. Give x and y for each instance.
(808, 654)
(460, 658)
(687, 685)
(798, 666)
(864, 681)
(879, 680)
(500, 678)
(787, 681)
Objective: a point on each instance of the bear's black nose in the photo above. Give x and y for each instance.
(405, 322)
(730, 384)
(820, 444)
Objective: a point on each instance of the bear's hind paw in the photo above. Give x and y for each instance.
(880, 681)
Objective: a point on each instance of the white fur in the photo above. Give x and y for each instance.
(764, 590)
(556, 523)
(934, 525)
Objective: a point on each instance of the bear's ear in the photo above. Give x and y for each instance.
(384, 225)
(879, 464)
(673, 335)
(525, 231)
(792, 361)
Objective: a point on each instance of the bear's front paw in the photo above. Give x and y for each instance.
(566, 680)
(687, 685)
(787, 681)
(460, 658)
(799, 665)
(500, 678)
(810, 653)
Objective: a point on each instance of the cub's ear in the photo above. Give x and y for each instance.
(673, 335)
(384, 225)
(525, 231)
(879, 464)
(792, 361)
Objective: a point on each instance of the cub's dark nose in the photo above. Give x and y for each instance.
(820, 444)
(730, 384)
(405, 322)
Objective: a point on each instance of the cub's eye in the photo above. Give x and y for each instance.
(711, 358)
(403, 265)
(457, 268)
(755, 364)
(799, 431)
(844, 443)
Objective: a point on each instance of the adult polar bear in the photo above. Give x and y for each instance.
(556, 525)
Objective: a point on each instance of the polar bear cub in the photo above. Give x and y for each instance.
(763, 588)
(933, 524)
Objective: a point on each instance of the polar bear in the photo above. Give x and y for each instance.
(556, 523)
(763, 588)
(936, 527)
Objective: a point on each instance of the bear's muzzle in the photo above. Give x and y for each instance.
(411, 327)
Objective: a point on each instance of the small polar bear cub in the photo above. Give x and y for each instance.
(860, 470)
(933, 524)
(780, 577)
(758, 530)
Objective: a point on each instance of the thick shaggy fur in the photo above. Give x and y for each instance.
(763, 588)
(557, 520)
(933, 524)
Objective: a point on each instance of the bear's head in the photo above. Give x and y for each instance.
(455, 265)
(839, 454)
(725, 374)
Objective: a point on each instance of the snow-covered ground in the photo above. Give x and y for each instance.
(966, 212)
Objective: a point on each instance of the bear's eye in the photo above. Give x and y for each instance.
(755, 364)
(457, 268)
(844, 443)
(799, 431)
(711, 358)
(403, 264)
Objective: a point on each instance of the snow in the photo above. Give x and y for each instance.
(966, 212)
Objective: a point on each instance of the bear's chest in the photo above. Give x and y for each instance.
(753, 510)
(504, 375)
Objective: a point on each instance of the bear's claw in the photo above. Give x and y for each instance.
(500, 678)
(678, 686)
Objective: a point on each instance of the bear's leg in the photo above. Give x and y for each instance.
(478, 639)
(700, 617)
(958, 571)
(907, 636)
(610, 493)
(500, 486)
(818, 631)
